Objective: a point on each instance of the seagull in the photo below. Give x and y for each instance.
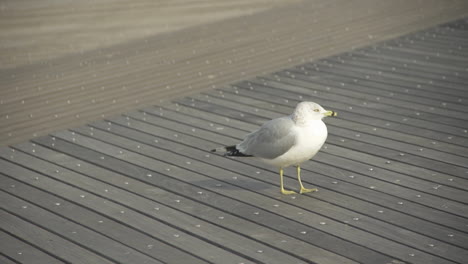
(287, 141)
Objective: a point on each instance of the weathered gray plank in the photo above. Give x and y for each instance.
(67, 228)
(458, 183)
(339, 71)
(118, 231)
(388, 104)
(175, 147)
(194, 205)
(428, 56)
(408, 56)
(21, 252)
(7, 260)
(378, 67)
(438, 42)
(447, 153)
(438, 37)
(108, 69)
(402, 132)
(397, 64)
(387, 92)
(267, 114)
(200, 180)
(47, 241)
(366, 88)
(437, 48)
(392, 177)
(363, 169)
(109, 224)
(424, 66)
(165, 231)
(141, 149)
(360, 109)
(358, 72)
(85, 217)
(367, 116)
(318, 208)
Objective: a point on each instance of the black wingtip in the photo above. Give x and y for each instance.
(232, 151)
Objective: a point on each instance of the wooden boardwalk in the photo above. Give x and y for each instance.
(142, 187)
(67, 63)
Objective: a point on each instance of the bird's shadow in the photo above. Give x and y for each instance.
(232, 184)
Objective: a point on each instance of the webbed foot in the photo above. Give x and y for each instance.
(305, 190)
(287, 192)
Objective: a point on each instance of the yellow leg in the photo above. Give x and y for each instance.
(283, 191)
(303, 190)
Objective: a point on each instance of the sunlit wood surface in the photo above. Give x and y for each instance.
(143, 186)
(66, 63)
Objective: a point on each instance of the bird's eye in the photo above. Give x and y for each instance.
(316, 110)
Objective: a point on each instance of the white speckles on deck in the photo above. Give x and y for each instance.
(143, 186)
(122, 63)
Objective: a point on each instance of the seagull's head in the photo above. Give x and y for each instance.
(310, 111)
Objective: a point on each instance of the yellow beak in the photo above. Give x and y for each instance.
(331, 113)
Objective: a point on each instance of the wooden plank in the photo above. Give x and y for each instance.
(242, 102)
(245, 131)
(389, 104)
(113, 229)
(196, 208)
(143, 186)
(397, 63)
(358, 111)
(363, 169)
(345, 128)
(152, 247)
(433, 40)
(354, 70)
(423, 99)
(18, 251)
(293, 228)
(357, 132)
(428, 72)
(431, 81)
(387, 52)
(164, 231)
(67, 228)
(184, 152)
(7, 260)
(47, 241)
(435, 43)
(175, 60)
(141, 149)
(428, 56)
(439, 48)
(263, 216)
(147, 139)
(427, 66)
(445, 40)
(164, 114)
(204, 224)
(375, 125)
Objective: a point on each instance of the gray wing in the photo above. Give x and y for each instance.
(271, 140)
